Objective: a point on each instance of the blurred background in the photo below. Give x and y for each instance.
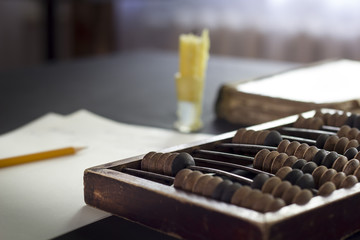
(37, 31)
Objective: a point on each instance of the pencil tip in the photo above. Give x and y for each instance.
(79, 148)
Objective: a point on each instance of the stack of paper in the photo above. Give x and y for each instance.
(41, 200)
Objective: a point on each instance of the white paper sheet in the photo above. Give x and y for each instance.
(44, 199)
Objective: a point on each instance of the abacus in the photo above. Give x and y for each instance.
(293, 178)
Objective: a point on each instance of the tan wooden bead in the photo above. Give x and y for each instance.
(251, 198)
(357, 173)
(332, 119)
(190, 181)
(331, 142)
(299, 122)
(283, 145)
(307, 123)
(211, 185)
(181, 176)
(310, 153)
(278, 162)
(326, 189)
(261, 203)
(259, 158)
(302, 197)
(240, 194)
(275, 205)
(357, 156)
(201, 183)
(269, 160)
(255, 137)
(282, 172)
(338, 178)
(341, 144)
(289, 194)
(301, 149)
(262, 136)
(270, 184)
(317, 174)
(349, 182)
(326, 176)
(339, 163)
(280, 189)
(351, 166)
(247, 136)
(352, 133)
(145, 160)
(159, 164)
(290, 161)
(343, 131)
(167, 168)
(238, 135)
(352, 143)
(341, 119)
(152, 162)
(316, 123)
(326, 117)
(290, 150)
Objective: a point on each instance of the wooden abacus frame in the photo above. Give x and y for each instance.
(186, 215)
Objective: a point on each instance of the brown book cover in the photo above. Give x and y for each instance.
(330, 84)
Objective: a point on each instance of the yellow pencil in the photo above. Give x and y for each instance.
(6, 162)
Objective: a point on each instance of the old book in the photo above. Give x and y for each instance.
(330, 84)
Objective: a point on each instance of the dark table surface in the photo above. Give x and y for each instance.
(133, 87)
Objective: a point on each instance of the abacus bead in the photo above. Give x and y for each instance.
(309, 167)
(352, 133)
(351, 119)
(275, 205)
(299, 121)
(270, 184)
(357, 173)
(332, 119)
(338, 178)
(190, 180)
(229, 192)
(278, 162)
(168, 164)
(262, 202)
(317, 174)
(351, 152)
(299, 164)
(320, 140)
(240, 194)
(341, 144)
(145, 160)
(319, 156)
(351, 166)
(339, 163)
(349, 181)
(310, 153)
(251, 198)
(326, 189)
(218, 191)
(302, 197)
(283, 145)
(238, 135)
(259, 181)
(329, 160)
(290, 193)
(356, 123)
(259, 158)
(290, 161)
(161, 162)
(261, 138)
(290, 150)
(247, 136)
(316, 123)
(282, 172)
(357, 156)
(181, 161)
(352, 143)
(343, 131)
(306, 181)
(293, 176)
(273, 139)
(330, 142)
(211, 185)
(200, 183)
(326, 176)
(341, 120)
(255, 137)
(301, 149)
(280, 188)
(152, 162)
(180, 177)
(269, 160)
